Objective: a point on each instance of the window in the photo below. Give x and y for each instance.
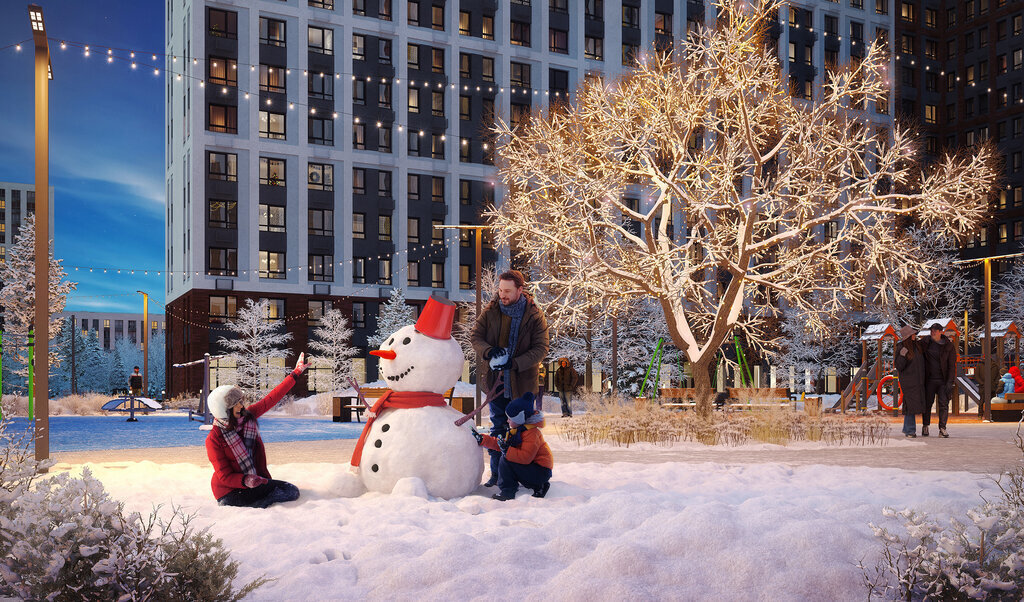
(321, 222)
(412, 10)
(983, 37)
(464, 190)
(907, 12)
(326, 4)
(464, 236)
(520, 34)
(881, 7)
(437, 146)
(223, 118)
(414, 143)
(413, 185)
(272, 79)
(437, 60)
(359, 92)
(413, 56)
(437, 17)
(384, 227)
(358, 225)
(465, 107)
(931, 49)
(593, 48)
(272, 171)
(223, 72)
(436, 233)
(321, 40)
(951, 17)
(316, 311)
(437, 275)
(222, 309)
(272, 265)
(321, 131)
(223, 214)
(321, 86)
(223, 166)
(558, 41)
(414, 100)
(520, 75)
(1002, 233)
(907, 44)
(272, 125)
(384, 51)
(223, 262)
(630, 53)
(359, 136)
(559, 6)
(413, 230)
(465, 70)
(359, 7)
(222, 23)
(464, 277)
(359, 314)
(321, 268)
(384, 10)
(1018, 25)
(464, 23)
(437, 103)
(487, 69)
(412, 274)
(358, 47)
(931, 81)
(594, 9)
(271, 32)
(663, 24)
(275, 310)
(631, 17)
(271, 218)
(931, 18)
(931, 114)
(487, 27)
(437, 189)
(384, 184)
(384, 139)
(358, 270)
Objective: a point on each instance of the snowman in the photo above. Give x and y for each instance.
(410, 432)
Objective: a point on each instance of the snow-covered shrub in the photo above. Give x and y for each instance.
(182, 401)
(982, 558)
(78, 405)
(64, 538)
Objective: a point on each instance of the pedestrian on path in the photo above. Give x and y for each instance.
(940, 369)
(235, 448)
(566, 382)
(135, 383)
(910, 370)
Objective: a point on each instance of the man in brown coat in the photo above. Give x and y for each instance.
(566, 381)
(510, 338)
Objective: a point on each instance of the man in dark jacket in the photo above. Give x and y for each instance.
(940, 369)
(510, 338)
(566, 381)
(910, 370)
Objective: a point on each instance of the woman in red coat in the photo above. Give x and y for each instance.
(234, 446)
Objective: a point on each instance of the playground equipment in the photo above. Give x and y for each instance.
(890, 393)
(143, 404)
(202, 413)
(656, 358)
(871, 371)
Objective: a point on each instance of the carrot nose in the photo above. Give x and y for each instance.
(384, 353)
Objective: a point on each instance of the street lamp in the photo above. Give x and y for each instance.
(477, 256)
(145, 343)
(986, 384)
(43, 75)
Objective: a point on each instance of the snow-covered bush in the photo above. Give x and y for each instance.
(64, 538)
(980, 559)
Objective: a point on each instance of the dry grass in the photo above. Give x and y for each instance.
(182, 401)
(625, 422)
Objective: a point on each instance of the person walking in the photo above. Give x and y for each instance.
(511, 335)
(940, 369)
(235, 448)
(910, 370)
(135, 383)
(566, 381)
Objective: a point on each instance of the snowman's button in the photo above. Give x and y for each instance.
(385, 428)
(377, 443)
(374, 468)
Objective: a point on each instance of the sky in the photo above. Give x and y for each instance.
(106, 143)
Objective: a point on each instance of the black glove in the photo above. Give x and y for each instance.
(479, 438)
(509, 365)
(503, 445)
(491, 352)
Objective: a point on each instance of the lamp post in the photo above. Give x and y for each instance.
(477, 256)
(145, 343)
(44, 73)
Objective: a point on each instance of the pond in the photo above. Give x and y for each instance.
(86, 433)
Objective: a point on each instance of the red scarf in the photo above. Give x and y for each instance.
(395, 399)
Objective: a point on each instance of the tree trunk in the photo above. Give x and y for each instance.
(704, 389)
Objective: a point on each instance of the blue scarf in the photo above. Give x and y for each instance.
(516, 312)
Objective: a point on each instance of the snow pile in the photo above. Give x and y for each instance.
(604, 532)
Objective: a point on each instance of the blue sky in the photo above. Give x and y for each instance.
(106, 143)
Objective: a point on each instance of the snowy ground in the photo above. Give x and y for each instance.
(616, 531)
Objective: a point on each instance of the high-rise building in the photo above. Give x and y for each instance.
(313, 145)
(16, 200)
(961, 78)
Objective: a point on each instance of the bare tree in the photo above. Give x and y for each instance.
(332, 344)
(776, 201)
(258, 341)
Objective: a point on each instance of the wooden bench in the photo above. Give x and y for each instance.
(1009, 411)
(675, 398)
(345, 406)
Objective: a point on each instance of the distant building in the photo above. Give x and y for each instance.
(112, 326)
(16, 200)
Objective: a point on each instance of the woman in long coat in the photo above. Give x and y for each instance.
(910, 369)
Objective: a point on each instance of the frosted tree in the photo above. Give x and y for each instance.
(157, 362)
(1008, 294)
(257, 342)
(94, 368)
(948, 293)
(809, 351)
(117, 374)
(754, 199)
(462, 329)
(333, 350)
(393, 314)
(18, 292)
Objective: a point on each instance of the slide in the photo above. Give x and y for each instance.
(848, 395)
(121, 404)
(969, 387)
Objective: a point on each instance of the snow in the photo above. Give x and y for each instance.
(605, 532)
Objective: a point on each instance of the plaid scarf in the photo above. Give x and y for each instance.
(516, 312)
(241, 446)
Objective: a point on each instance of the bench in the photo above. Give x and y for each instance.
(1009, 411)
(345, 406)
(675, 398)
(766, 398)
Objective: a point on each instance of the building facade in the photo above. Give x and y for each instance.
(112, 326)
(16, 201)
(312, 146)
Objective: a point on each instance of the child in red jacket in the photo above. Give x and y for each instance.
(525, 456)
(234, 446)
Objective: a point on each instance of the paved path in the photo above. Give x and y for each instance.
(973, 447)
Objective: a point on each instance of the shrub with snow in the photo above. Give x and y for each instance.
(64, 538)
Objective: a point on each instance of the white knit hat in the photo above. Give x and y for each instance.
(222, 398)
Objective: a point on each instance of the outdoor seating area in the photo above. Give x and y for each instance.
(344, 408)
